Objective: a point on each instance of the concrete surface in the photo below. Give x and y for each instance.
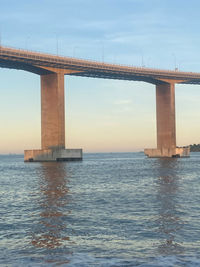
(179, 152)
(52, 155)
(52, 123)
(52, 111)
(165, 113)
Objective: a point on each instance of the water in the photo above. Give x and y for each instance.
(119, 209)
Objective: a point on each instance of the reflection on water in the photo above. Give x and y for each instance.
(169, 221)
(50, 231)
(126, 210)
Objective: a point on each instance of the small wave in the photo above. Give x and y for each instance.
(85, 260)
(172, 261)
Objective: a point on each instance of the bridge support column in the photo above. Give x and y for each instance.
(52, 111)
(165, 113)
(52, 123)
(166, 124)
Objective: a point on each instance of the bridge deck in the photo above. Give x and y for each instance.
(45, 63)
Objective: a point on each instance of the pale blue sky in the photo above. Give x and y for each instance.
(101, 115)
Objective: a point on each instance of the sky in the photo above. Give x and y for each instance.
(101, 115)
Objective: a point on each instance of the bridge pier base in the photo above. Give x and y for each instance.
(52, 123)
(38, 155)
(166, 125)
(178, 152)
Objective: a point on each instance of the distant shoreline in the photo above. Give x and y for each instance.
(195, 148)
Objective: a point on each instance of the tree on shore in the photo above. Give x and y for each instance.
(195, 148)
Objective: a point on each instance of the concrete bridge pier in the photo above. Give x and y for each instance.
(166, 124)
(52, 123)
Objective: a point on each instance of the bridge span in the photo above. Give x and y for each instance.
(52, 69)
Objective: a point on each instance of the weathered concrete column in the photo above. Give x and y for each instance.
(165, 112)
(52, 123)
(52, 111)
(166, 124)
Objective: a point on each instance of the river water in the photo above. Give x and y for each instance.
(114, 209)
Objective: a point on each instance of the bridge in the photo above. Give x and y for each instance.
(52, 69)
